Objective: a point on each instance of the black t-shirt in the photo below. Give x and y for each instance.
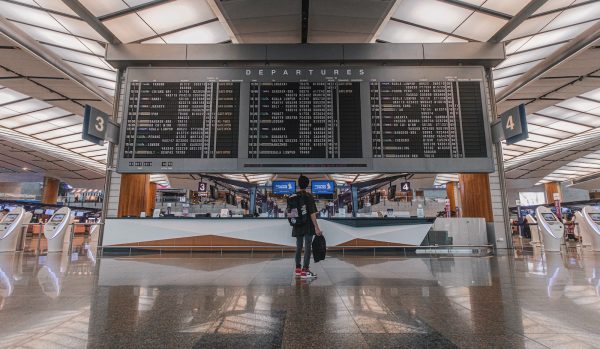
(311, 206)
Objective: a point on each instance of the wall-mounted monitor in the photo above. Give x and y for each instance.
(322, 187)
(284, 187)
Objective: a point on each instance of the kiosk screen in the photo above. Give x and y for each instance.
(549, 217)
(595, 217)
(58, 217)
(10, 218)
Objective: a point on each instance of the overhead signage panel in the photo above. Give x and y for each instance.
(313, 120)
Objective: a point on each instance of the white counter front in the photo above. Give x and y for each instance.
(207, 232)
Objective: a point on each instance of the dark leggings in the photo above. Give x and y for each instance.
(307, 241)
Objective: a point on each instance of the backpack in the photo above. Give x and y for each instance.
(297, 212)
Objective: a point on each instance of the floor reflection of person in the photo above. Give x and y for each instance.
(570, 227)
(526, 228)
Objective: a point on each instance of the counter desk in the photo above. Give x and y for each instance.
(249, 233)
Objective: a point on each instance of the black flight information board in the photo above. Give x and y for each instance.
(182, 120)
(370, 119)
(427, 119)
(305, 120)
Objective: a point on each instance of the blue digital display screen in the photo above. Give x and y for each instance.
(322, 187)
(284, 187)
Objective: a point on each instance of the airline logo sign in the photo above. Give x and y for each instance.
(326, 186)
(323, 187)
(284, 187)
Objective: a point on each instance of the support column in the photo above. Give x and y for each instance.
(451, 188)
(150, 198)
(550, 189)
(134, 195)
(475, 196)
(50, 191)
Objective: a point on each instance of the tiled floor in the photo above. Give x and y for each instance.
(237, 301)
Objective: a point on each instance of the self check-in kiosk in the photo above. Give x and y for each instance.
(50, 276)
(583, 229)
(11, 228)
(11, 270)
(92, 248)
(57, 228)
(590, 222)
(551, 229)
(535, 231)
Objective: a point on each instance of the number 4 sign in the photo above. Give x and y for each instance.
(405, 187)
(514, 124)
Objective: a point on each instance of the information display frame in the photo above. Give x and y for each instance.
(364, 75)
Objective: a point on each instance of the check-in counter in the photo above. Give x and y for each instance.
(249, 233)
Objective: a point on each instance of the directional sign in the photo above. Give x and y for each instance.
(202, 187)
(514, 124)
(405, 187)
(94, 125)
(97, 127)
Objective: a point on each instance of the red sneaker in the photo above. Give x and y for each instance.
(307, 274)
(298, 272)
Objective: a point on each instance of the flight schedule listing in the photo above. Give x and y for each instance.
(182, 120)
(427, 119)
(305, 120)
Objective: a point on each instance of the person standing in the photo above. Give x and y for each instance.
(304, 233)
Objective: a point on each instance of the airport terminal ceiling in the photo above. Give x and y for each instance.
(52, 60)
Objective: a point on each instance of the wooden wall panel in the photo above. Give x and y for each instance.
(150, 199)
(475, 195)
(133, 194)
(199, 241)
(450, 193)
(368, 243)
(550, 189)
(50, 191)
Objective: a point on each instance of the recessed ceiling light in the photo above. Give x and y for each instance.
(25, 169)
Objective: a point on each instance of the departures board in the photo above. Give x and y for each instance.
(310, 120)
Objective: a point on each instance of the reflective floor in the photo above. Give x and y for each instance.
(525, 300)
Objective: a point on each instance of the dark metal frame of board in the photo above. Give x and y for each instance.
(366, 164)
